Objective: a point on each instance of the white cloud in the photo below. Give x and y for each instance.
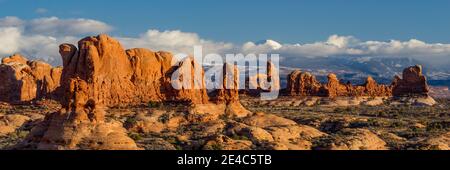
(11, 21)
(9, 40)
(350, 46)
(39, 38)
(41, 10)
(174, 41)
(56, 27)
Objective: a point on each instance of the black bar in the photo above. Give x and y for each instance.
(279, 159)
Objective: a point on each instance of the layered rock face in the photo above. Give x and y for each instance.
(118, 77)
(413, 83)
(185, 83)
(334, 88)
(229, 92)
(372, 88)
(228, 95)
(24, 80)
(305, 84)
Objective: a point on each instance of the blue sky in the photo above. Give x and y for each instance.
(238, 21)
(295, 29)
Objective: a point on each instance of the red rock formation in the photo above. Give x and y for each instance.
(118, 77)
(24, 80)
(148, 73)
(101, 74)
(263, 82)
(229, 94)
(230, 85)
(189, 86)
(413, 83)
(372, 88)
(305, 84)
(335, 88)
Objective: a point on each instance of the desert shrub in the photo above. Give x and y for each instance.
(135, 136)
(216, 146)
(239, 137)
(438, 125)
(153, 104)
(130, 121)
(164, 118)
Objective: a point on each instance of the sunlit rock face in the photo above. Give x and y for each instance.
(23, 80)
(412, 83)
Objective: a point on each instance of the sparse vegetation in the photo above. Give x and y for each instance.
(404, 121)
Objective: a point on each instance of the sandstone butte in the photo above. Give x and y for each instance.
(414, 83)
(24, 80)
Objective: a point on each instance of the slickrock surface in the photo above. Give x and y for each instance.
(10, 123)
(24, 80)
(354, 139)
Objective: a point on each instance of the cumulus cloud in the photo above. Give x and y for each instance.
(9, 40)
(353, 47)
(10, 21)
(39, 38)
(54, 26)
(174, 41)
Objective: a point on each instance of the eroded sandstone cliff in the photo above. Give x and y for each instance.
(101, 74)
(23, 80)
(412, 84)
